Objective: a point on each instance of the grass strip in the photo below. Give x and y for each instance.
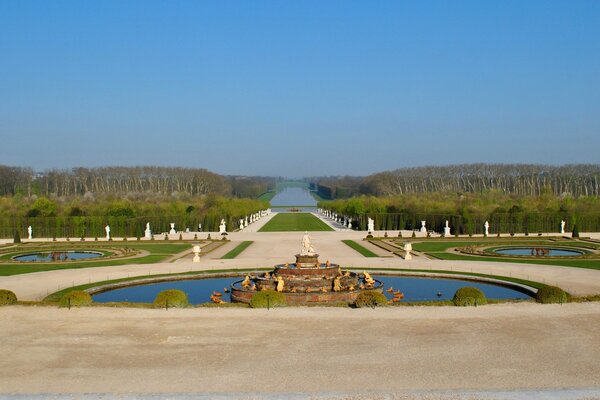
(362, 250)
(238, 249)
(295, 222)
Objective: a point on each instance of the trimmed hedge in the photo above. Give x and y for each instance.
(7, 297)
(275, 299)
(171, 298)
(76, 298)
(370, 298)
(550, 295)
(469, 296)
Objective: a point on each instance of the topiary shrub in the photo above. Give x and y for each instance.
(268, 298)
(575, 232)
(7, 297)
(550, 295)
(370, 298)
(171, 298)
(76, 298)
(469, 296)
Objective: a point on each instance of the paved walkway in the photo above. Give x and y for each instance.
(270, 248)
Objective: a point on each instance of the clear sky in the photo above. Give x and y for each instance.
(298, 88)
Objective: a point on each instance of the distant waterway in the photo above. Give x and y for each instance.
(294, 197)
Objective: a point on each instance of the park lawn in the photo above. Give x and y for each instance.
(362, 250)
(237, 250)
(293, 222)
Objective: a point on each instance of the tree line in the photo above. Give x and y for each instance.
(517, 179)
(123, 180)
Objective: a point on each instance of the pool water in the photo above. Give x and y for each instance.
(58, 256)
(413, 288)
(535, 251)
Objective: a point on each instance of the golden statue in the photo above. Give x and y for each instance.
(337, 286)
(327, 264)
(347, 273)
(323, 289)
(253, 287)
(368, 280)
(246, 282)
(280, 284)
(267, 275)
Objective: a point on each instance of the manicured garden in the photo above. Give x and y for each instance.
(292, 222)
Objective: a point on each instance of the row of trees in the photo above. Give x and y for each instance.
(123, 180)
(518, 179)
(127, 217)
(468, 212)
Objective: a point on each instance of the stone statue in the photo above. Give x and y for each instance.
(172, 231)
(241, 224)
(337, 286)
(407, 250)
(148, 232)
(370, 225)
(486, 226)
(107, 229)
(423, 229)
(280, 284)
(306, 246)
(222, 227)
(246, 282)
(562, 227)
(447, 229)
(199, 227)
(196, 249)
(30, 232)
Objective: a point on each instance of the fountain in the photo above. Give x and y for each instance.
(307, 281)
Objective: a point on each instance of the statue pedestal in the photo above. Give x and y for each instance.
(307, 261)
(447, 231)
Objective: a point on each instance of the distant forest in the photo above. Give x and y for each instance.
(126, 180)
(515, 179)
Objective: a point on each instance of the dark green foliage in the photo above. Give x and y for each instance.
(7, 297)
(575, 232)
(268, 298)
(76, 298)
(370, 298)
(17, 238)
(550, 295)
(171, 298)
(469, 296)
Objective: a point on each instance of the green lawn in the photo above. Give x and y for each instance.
(365, 252)
(238, 249)
(292, 222)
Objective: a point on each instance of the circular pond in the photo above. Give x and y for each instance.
(58, 256)
(538, 252)
(413, 288)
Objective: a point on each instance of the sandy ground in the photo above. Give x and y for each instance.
(309, 350)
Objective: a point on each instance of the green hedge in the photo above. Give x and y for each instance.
(76, 298)
(551, 294)
(268, 298)
(171, 298)
(469, 296)
(7, 297)
(370, 298)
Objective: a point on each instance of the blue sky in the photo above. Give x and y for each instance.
(298, 88)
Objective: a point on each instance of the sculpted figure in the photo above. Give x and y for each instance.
(306, 246)
(280, 284)
(337, 286)
(246, 282)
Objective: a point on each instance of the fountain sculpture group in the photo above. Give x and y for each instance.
(307, 281)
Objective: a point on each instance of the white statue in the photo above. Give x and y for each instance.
(407, 250)
(222, 227)
(199, 227)
(107, 229)
(172, 231)
(30, 232)
(562, 227)
(447, 229)
(370, 225)
(241, 224)
(487, 228)
(148, 232)
(196, 249)
(423, 229)
(307, 248)
(349, 224)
